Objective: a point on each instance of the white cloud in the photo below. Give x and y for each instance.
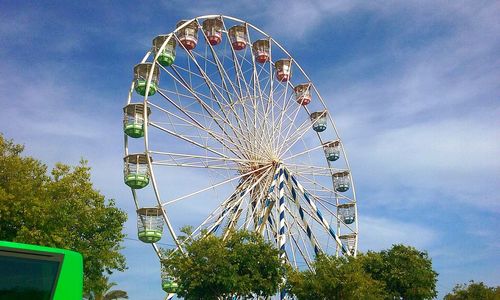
(458, 159)
(428, 123)
(381, 233)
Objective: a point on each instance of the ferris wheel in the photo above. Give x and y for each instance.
(224, 130)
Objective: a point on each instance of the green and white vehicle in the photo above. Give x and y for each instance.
(29, 272)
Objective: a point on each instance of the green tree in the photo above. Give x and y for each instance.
(107, 293)
(473, 291)
(406, 272)
(61, 209)
(334, 278)
(243, 265)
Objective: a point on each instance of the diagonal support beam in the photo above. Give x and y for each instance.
(318, 213)
(309, 233)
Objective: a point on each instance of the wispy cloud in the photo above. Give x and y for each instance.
(428, 121)
(382, 233)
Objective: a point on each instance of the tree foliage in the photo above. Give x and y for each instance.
(473, 291)
(335, 278)
(406, 272)
(401, 272)
(243, 265)
(60, 209)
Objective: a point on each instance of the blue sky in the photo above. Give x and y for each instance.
(413, 87)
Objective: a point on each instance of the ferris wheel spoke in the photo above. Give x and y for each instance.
(260, 97)
(300, 131)
(180, 80)
(223, 141)
(270, 104)
(212, 113)
(222, 207)
(313, 170)
(233, 219)
(225, 78)
(231, 204)
(237, 66)
(255, 85)
(210, 158)
(271, 229)
(261, 126)
(295, 112)
(239, 61)
(214, 88)
(305, 241)
(218, 137)
(202, 75)
(305, 227)
(325, 189)
(186, 101)
(292, 250)
(275, 97)
(305, 256)
(260, 202)
(313, 218)
(334, 214)
(194, 90)
(263, 217)
(301, 153)
(283, 116)
(216, 185)
(187, 139)
(219, 89)
(192, 165)
(274, 216)
(284, 112)
(226, 213)
(234, 215)
(210, 110)
(324, 222)
(211, 84)
(241, 81)
(178, 94)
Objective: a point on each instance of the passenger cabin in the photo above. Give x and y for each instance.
(346, 212)
(141, 73)
(188, 35)
(213, 30)
(341, 181)
(332, 150)
(149, 224)
(260, 50)
(136, 172)
(168, 283)
(167, 56)
(238, 36)
(349, 241)
(283, 69)
(319, 120)
(133, 120)
(303, 93)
